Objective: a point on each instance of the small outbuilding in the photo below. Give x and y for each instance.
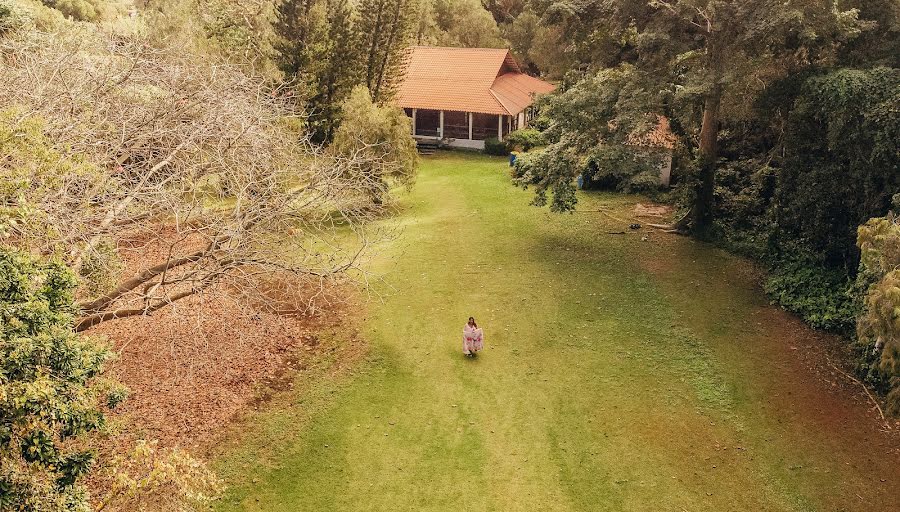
(462, 96)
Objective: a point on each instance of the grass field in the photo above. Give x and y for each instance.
(619, 374)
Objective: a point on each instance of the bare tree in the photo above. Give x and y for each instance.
(198, 179)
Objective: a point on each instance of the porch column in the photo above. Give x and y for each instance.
(414, 121)
(500, 127)
(441, 125)
(470, 124)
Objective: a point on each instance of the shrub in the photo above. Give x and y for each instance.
(50, 394)
(17, 15)
(525, 139)
(101, 268)
(52, 397)
(380, 136)
(7, 22)
(825, 298)
(743, 198)
(878, 327)
(87, 10)
(496, 147)
(622, 168)
(33, 170)
(165, 478)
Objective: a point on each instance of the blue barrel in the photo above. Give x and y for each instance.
(512, 159)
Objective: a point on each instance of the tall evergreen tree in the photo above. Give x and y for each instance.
(338, 70)
(384, 30)
(318, 50)
(294, 26)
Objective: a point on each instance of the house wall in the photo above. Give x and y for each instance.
(466, 144)
(665, 169)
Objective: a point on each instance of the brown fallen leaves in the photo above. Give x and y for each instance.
(196, 365)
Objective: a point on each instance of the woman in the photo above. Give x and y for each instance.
(473, 338)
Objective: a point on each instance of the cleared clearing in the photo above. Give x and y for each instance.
(619, 375)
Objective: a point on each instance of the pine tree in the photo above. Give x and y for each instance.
(384, 30)
(339, 70)
(294, 26)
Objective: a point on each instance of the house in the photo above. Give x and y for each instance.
(462, 96)
(659, 142)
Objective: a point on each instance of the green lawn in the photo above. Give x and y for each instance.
(618, 374)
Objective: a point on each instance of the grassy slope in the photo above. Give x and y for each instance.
(618, 375)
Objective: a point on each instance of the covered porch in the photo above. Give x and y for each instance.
(461, 129)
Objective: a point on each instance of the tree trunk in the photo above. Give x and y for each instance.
(373, 49)
(707, 155)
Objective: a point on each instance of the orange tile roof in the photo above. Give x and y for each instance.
(661, 136)
(515, 91)
(483, 80)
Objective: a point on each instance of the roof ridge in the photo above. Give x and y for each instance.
(497, 97)
(460, 48)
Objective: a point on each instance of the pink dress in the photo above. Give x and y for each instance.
(473, 339)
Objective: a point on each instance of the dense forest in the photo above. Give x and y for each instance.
(786, 120)
(249, 119)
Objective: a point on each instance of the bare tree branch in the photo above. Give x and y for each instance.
(190, 176)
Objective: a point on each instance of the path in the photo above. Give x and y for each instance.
(619, 375)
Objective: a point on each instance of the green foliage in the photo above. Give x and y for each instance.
(101, 268)
(50, 394)
(548, 169)
(841, 164)
(7, 19)
(240, 31)
(170, 478)
(521, 34)
(879, 324)
(880, 45)
(496, 147)
(463, 23)
(380, 135)
(835, 167)
(693, 61)
(320, 50)
(525, 139)
(821, 296)
(87, 10)
(505, 10)
(595, 130)
(339, 70)
(584, 35)
(326, 47)
(299, 28)
(744, 214)
(384, 30)
(622, 167)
